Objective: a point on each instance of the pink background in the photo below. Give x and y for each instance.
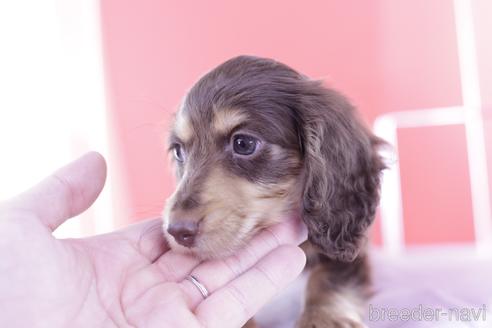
(385, 55)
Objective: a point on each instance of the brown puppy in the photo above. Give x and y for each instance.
(255, 142)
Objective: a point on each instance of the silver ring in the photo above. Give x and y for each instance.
(198, 285)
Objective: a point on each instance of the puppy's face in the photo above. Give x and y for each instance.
(236, 175)
(255, 142)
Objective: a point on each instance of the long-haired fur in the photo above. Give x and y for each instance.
(341, 164)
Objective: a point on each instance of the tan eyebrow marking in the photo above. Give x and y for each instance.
(182, 127)
(227, 119)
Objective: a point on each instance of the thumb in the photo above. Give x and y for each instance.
(66, 193)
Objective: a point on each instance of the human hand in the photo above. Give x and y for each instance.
(127, 278)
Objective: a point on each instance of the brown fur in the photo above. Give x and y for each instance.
(225, 121)
(314, 159)
(336, 292)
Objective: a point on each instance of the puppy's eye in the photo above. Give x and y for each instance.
(178, 152)
(244, 144)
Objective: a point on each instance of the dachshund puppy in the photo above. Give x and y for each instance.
(255, 142)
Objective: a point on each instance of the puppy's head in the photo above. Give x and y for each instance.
(255, 142)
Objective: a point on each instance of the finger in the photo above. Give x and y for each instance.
(216, 273)
(243, 297)
(172, 266)
(66, 193)
(175, 267)
(161, 306)
(146, 236)
(164, 265)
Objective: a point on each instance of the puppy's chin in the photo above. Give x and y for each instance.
(202, 252)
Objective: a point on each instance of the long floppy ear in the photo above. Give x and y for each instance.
(342, 172)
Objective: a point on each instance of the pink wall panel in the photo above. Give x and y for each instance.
(418, 55)
(436, 185)
(155, 50)
(385, 55)
(420, 69)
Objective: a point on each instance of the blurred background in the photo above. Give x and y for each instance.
(108, 75)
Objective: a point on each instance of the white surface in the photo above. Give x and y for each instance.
(52, 103)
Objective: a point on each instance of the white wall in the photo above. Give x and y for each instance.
(52, 104)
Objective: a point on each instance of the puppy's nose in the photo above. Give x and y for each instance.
(184, 232)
